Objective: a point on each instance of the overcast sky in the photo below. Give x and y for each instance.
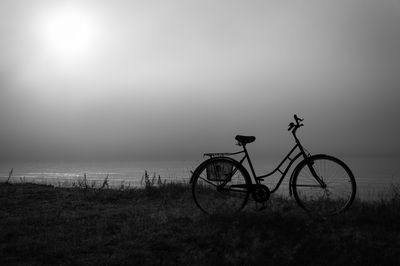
(174, 79)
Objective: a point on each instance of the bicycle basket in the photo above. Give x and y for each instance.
(219, 171)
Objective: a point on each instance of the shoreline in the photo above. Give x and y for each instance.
(374, 175)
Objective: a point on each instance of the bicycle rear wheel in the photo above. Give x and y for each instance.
(220, 185)
(338, 194)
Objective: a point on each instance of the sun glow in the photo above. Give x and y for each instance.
(67, 34)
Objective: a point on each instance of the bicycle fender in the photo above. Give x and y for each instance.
(297, 168)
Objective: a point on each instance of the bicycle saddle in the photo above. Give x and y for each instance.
(245, 139)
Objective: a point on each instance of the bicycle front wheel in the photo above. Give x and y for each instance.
(220, 185)
(335, 197)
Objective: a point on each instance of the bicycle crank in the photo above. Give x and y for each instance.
(260, 193)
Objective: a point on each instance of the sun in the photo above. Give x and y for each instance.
(68, 34)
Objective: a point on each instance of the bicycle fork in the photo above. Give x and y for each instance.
(310, 164)
(315, 175)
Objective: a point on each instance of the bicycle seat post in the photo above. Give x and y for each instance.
(249, 161)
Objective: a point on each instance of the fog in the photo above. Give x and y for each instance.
(161, 80)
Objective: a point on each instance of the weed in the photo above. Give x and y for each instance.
(151, 182)
(105, 183)
(22, 179)
(10, 175)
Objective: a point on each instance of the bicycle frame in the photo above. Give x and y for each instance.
(283, 173)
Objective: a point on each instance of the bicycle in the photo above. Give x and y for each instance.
(321, 184)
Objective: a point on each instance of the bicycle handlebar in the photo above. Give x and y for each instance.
(297, 119)
(293, 126)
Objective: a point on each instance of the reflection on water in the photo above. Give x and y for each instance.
(120, 173)
(374, 175)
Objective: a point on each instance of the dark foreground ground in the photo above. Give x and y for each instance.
(162, 226)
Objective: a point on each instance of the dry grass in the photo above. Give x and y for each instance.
(161, 225)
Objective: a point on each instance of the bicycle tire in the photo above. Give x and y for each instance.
(227, 195)
(340, 188)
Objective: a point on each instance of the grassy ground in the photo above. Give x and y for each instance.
(162, 226)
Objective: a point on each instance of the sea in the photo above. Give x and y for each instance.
(376, 177)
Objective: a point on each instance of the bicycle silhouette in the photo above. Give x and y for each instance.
(321, 184)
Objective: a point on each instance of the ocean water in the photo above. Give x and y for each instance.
(375, 176)
(127, 173)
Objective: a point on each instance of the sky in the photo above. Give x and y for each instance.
(166, 80)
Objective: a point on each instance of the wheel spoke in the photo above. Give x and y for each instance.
(317, 186)
(205, 180)
(335, 197)
(220, 185)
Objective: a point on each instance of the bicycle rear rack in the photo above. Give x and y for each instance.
(221, 154)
